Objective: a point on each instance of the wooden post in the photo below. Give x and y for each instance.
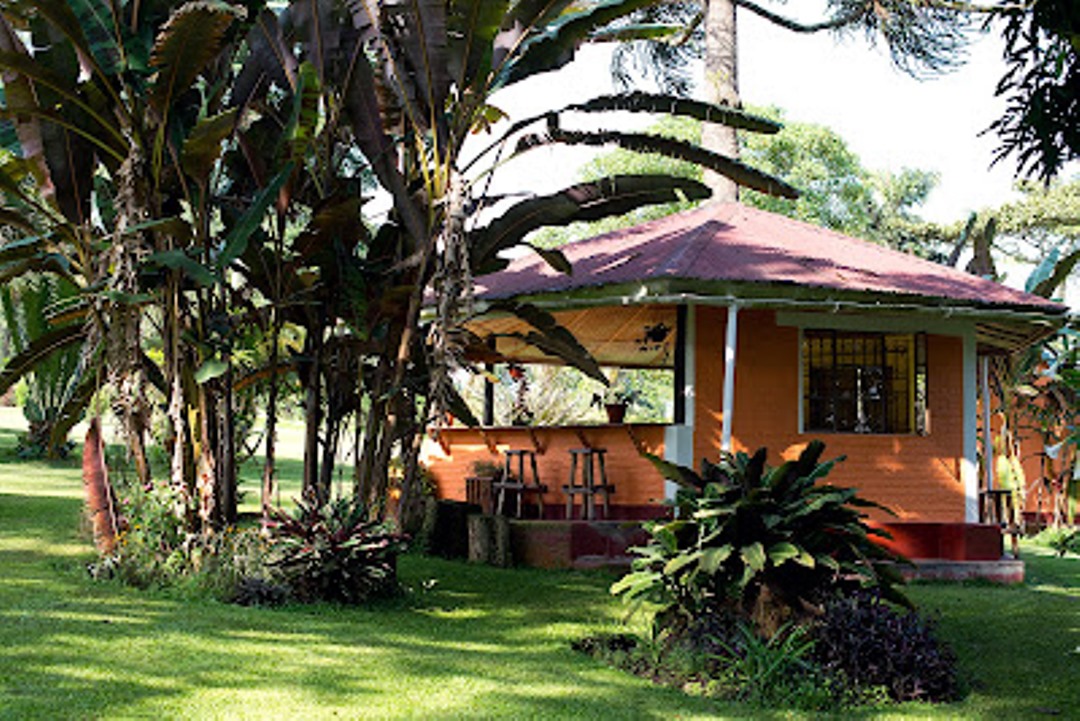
(501, 555)
(480, 538)
(489, 540)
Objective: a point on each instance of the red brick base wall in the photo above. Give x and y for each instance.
(947, 541)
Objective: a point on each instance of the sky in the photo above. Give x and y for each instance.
(888, 118)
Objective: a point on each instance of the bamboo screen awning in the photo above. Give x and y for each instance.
(628, 336)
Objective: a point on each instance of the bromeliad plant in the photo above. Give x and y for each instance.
(767, 544)
(332, 552)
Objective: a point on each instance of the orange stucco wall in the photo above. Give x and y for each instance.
(451, 457)
(918, 477)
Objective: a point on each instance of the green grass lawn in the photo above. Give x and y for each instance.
(467, 642)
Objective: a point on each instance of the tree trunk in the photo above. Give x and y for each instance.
(181, 465)
(374, 427)
(330, 445)
(269, 471)
(312, 415)
(206, 482)
(721, 87)
(407, 509)
(227, 453)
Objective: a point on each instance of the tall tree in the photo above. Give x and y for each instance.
(228, 192)
(1042, 54)
(920, 37)
(836, 190)
(1041, 123)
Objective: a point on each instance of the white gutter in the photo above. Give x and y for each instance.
(826, 304)
(731, 339)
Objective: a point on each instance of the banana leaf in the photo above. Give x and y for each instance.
(582, 202)
(642, 102)
(555, 45)
(644, 143)
(551, 338)
(190, 40)
(38, 350)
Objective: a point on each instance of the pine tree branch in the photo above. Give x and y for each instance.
(793, 25)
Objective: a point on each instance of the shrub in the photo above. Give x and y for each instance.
(1061, 540)
(873, 645)
(734, 665)
(767, 544)
(333, 553)
(153, 550)
(258, 591)
(777, 672)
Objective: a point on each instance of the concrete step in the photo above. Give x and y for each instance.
(613, 563)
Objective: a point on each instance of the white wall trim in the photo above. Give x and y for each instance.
(875, 323)
(679, 438)
(987, 430)
(800, 402)
(731, 342)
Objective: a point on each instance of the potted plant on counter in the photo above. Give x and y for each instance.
(618, 397)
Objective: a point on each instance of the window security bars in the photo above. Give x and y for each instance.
(864, 382)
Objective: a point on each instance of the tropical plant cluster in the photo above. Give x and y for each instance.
(51, 386)
(770, 545)
(872, 644)
(200, 174)
(334, 553)
(758, 583)
(1060, 540)
(328, 553)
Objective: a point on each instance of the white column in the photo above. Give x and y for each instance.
(679, 438)
(731, 338)
(969, 462)
(987, 435)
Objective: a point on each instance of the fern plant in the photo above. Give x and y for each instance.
(768, 544)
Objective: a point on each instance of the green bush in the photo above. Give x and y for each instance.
(333, 553)
(775, 673)
(154, 551)
(1061, 540)
(769, 545)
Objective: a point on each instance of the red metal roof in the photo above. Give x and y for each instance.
(730, 242)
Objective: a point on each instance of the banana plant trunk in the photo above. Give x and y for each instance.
(312, 414)
(269, 480)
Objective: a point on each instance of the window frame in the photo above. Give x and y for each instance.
(916, 395)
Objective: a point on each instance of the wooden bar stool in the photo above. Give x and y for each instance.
(998, 507)
(589, 488)
(518, 483)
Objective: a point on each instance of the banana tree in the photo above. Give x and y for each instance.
(401, 89)
(117, 133)
(198, 167)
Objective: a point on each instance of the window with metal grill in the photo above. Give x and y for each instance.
(864, 382)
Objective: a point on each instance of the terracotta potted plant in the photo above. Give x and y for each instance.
(616, 398)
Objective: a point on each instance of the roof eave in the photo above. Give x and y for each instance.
(1028, 323)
